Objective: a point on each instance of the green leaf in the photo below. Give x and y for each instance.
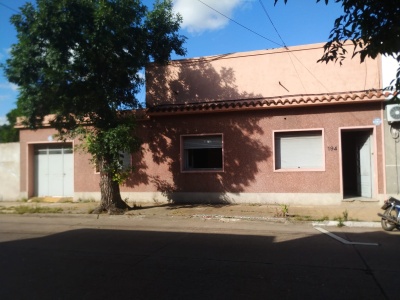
(80, 59)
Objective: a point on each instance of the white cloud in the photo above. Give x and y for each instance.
(14, 87)
(3, 120)
(4, 53)
(9, 86)
(198, 17)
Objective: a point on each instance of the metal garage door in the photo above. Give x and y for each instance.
(54, 170)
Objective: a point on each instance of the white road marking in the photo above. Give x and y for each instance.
(338, 238)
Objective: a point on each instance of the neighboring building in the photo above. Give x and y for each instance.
(269, 126)
(9, 172)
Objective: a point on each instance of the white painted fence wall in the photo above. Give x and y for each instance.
(9, 172)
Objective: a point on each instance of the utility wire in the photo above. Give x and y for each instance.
(239, 24)
(10, 8)
(297, 73)
(291, 52)
(273, 25)
(309, 71)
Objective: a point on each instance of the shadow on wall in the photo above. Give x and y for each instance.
(243, 148)
(192, 82)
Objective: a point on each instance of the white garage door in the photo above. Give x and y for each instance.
(54, 170)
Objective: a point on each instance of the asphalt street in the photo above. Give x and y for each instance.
(144, 257)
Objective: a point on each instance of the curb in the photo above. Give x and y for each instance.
(348, 224)
(284, 220)
(237, 218)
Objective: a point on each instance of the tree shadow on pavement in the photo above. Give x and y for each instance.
(150, 264)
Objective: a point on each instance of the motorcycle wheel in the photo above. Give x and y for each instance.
(386, 224)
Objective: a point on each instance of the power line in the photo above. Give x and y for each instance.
(276, 30)
(10, 8)
(280, 37)
(291, 52)
(309, 71)
(237, 23)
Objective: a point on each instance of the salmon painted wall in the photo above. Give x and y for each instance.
(248, 150)
(84, 173)
(28, 138)
(247, 135)
(258, 74)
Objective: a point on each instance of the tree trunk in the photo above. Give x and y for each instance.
(111, 200)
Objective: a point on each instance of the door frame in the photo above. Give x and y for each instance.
(30, 164)
(374, 161)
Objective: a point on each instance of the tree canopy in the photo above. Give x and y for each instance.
(8, 133)
(373, 28)
(81, 60)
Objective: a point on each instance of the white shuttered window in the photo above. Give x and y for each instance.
(299, 150)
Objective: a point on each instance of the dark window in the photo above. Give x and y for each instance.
(202, 153)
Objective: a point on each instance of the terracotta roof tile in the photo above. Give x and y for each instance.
(271, 102)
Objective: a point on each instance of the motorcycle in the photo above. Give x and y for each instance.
(391, 216)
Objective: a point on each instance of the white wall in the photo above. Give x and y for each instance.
(392, 148)
(9, 172)
(389, 69)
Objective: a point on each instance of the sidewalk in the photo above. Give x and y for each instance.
(348, 211)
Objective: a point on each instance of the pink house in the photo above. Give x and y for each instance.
(269, 126)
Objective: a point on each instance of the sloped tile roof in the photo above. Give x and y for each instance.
(271, 102)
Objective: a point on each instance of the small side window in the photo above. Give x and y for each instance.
(124, 162)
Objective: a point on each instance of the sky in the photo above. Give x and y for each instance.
(211, 27)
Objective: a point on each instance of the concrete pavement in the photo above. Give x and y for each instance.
(355, 211)
(178, 256)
